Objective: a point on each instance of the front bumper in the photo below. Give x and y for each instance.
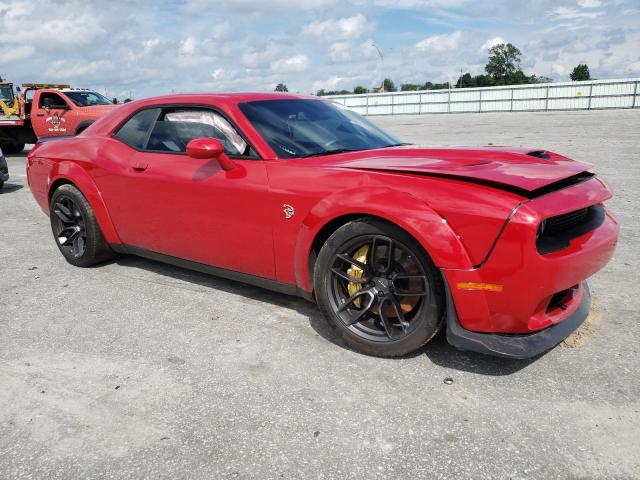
(533, 291)
(517, 346)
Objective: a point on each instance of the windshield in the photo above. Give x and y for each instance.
(303, 128)
(6, 93)
(87, 99)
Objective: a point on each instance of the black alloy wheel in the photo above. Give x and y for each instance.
(75, 228)
(379, 289)
(69, 226)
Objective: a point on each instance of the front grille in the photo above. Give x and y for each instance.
(560, 223)
(555, 233)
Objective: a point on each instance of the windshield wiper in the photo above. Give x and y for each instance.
(330, 152)
(397, 145)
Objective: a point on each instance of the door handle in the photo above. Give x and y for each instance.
(140, 167)
(39, 114)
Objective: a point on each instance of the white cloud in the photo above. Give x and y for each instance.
(492, 42)
(253, 6)
(573, 13)
(346, 28)
(331, 83)
(559, 69)
(590, 3)
(296, 63)
(440, 43)
(14, 53)
(410, 4)
(340, 51)
(188, 46)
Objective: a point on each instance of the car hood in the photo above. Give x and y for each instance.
(522, 168)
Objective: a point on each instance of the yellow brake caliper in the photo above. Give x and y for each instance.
(357, 272)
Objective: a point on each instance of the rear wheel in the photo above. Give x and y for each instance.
(378, 289)
(76, 229)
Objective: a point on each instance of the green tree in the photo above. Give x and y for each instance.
(281, 87)
(580, 73)
(504, 62)
(359, 90)
(436, 86)
(389, 86)
(410, 87)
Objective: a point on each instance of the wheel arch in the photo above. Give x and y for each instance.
(400, 209)
(82, 126)
(69, 173)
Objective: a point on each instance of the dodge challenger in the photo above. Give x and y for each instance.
(298, 194)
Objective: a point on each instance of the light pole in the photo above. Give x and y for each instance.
(381, 64)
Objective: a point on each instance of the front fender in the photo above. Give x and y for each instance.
(400, 208)
(71, 172)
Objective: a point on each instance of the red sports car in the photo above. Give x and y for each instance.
(303, 196)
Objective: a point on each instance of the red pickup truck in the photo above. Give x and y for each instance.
(46, 110)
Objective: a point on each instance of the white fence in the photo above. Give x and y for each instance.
(589, 95)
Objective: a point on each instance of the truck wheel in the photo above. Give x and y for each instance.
(76, 229)
(12, 147)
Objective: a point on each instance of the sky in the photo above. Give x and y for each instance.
(145, 48)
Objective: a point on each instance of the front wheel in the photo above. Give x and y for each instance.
(13, 148)
(378, 289)
(76, 229)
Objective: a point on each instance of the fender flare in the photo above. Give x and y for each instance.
(411, 214)
(71, 172)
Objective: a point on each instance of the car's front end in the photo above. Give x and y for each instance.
(530, 227)
(529, 293)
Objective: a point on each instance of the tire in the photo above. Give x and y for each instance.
(376, 324)
(13, 147)
(75, 228)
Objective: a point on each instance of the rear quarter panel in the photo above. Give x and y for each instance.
(69, 161)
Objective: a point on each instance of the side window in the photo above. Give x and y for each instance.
(176, 128)
(136, 131)
(51, 100)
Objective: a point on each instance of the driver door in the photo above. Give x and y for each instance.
(163, 201)
(51, 116)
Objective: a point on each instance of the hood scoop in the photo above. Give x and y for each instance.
(539, 154)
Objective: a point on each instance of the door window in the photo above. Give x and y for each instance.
(176, 128)
(52, 100)
(135, 132)
(170, 129)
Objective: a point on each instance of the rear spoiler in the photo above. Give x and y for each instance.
(50, 139)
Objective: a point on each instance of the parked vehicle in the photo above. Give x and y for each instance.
(302, 196)
(46, 110)
(4, 170)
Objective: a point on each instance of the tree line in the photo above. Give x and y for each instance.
(502, 68)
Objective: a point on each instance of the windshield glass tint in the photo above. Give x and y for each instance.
(6, 94)
(87, 99)
(299, 128)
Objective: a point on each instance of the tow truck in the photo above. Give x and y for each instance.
(46, 110)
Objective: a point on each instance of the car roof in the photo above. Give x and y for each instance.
(225, 100)
(233, 97)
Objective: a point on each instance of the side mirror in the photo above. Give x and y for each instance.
(209, 148)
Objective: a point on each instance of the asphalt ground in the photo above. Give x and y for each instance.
(136, 369)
